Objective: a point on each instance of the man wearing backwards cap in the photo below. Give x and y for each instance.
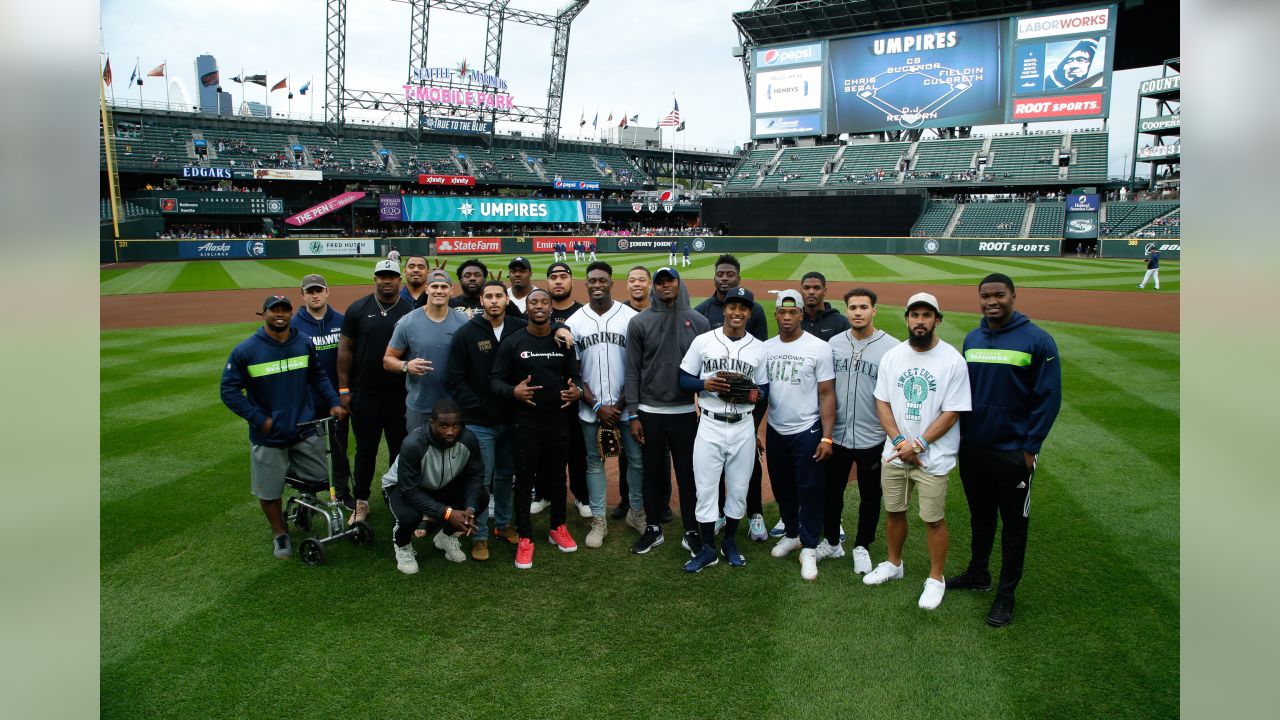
(921, 389)
(318, 320)
(374, 396)
(268, 381)
(419, 349)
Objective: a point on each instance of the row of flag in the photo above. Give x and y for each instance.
(208, 79)
(671, 119)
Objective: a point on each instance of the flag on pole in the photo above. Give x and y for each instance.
(106, 72)
(635, 118)
(133, 77)
(624, 120)
(610, 118)
(680, 127)
(594, 119)
(257, 80)
(672, 118)
(157, 71)
(582, 119)
(305, 87)
(284, 83)
(239, 78)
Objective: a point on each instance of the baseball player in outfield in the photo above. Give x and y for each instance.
(1153, 267)
(922, 387)
(726, 436)
(802, 409)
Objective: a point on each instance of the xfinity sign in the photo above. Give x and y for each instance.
(793, 55)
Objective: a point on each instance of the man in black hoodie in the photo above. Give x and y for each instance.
(820, 319)
(662, 415)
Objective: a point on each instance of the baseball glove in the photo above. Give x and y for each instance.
(741, 389)
(608, 441)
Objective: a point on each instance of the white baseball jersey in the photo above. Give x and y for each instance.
(518, 302)
(920, 386)
(712, 352)
(795, 368)
(601, 341)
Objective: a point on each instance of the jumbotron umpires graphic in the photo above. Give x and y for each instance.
(900, 94)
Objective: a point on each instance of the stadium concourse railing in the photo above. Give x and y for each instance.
(291, 248)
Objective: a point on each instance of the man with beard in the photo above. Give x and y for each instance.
(858, 436)
(728, 277)
(662, 414)
(268, 381)
(922, 387)
(317, 320)
(563, 306)
(374, 396)
(1017, 391)
(415, 279)
(820, 319)
(471, 276)
(541, 380)
(419, 349)
(519, 272)
(600, 331)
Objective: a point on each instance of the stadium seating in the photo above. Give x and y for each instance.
(935, 159)
(1000, 219)
(801, 166)
(1168, 226)
(744, 176)
(1124, 218)
(1025, 157)
(865, 164)
(1048, 219)
(933, 222)
(1090, 156)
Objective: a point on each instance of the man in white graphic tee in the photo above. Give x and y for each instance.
(922, 386)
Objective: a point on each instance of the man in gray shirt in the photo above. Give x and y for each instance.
(858, 436)
(419, 349)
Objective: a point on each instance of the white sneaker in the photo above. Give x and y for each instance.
(756, 530)
(406, 562)
(785, 546)
(778, 530)
(583, 508)
(599, 528)
(538, 506)
(861, 560)
(809, 564)
(883, 573)
(827, 550)
(449, 544)
(931, 598)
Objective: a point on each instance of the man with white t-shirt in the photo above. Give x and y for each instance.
(922, 387)
(802, 409)
(726, 431)
(600, 333)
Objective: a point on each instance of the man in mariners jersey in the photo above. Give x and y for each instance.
(726, 433)
(858, 436)
(802, 408)
(600, 331)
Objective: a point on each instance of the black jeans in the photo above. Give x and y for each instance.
(997, 482)
(673, 433)
(869, 494)
(372, 418)
(577, 456)
(540, 454)
(339, 438)
(408, 518)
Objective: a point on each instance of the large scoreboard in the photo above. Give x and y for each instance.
(1025, 68)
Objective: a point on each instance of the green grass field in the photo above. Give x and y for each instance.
(1071, 273)
(199, 620)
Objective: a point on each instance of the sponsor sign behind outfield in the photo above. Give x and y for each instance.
(473, 245)
(1082, 203)
(335, 247)
(576, 185)
(1075, 23)
(547, 244)
(324, 208)
(221, 249)
(447, 180)
(1059, 106)
(390, 208)
(206, 172)
(789, 55)
(1018, 247)
(285, 174)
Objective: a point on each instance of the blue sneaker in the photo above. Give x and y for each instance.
(729, 548)
(778, 530)
(706, 558)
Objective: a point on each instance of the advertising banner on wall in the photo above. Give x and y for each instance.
(1160, 122)
(447, 180)
(221, 249)
(789, 90)
(1081, 226)
(465, 245)
(576, 185)
(390, 208)
(206, 172)
(457, 126)
(420, 208)
(1158, 152)
(324, 208)
(335, 247)
(286, 174)
(547, 244)
(1082, 203)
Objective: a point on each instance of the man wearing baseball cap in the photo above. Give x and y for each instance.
(563, 306)
(317, 320)
(520, 273)
(374, 396)
(268, 381)
(921, 389)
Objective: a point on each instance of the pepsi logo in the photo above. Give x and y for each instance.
(770, 57)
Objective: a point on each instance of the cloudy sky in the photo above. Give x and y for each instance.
(624, 56)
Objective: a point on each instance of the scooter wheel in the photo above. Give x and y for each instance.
(311, 551)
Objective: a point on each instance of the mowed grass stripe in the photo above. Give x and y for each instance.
(864, 268)
(258, 274)
(152, 277)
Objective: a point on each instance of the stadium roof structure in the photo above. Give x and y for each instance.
(1154, 29)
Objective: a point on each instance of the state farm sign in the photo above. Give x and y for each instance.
(460, 245)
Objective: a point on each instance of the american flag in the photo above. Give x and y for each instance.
(673, 118)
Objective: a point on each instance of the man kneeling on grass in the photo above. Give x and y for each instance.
(438, 480)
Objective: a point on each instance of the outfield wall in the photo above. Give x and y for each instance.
(160, 250)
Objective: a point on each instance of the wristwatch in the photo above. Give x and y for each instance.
(405, 367)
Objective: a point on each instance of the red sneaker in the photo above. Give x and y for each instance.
(524, 554)
(560, 536)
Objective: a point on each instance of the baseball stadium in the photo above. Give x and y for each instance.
(953, 160)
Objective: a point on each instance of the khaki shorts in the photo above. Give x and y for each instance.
(896, 481)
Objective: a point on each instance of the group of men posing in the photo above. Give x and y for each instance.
(495, 392)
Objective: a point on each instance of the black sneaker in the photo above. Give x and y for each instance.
(729, 549)
(692, 543)
(651, 539)
(969, 580)
(1001, 611)
(666, 515)
(620, 512)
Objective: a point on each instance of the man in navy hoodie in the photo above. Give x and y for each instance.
(1015, 376)
(318, 320)
(268, 381)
